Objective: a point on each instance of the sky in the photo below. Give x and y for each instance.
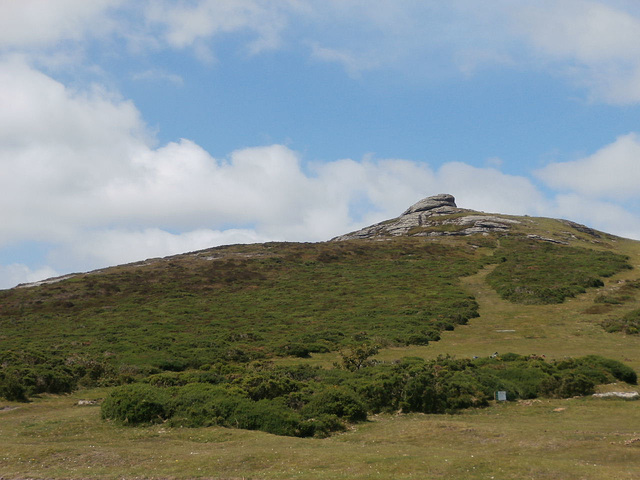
(133, 129)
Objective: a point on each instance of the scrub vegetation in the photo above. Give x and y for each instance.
(535, 272)
(310, 401)
(257, 302)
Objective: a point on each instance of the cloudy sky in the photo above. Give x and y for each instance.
(132, 129)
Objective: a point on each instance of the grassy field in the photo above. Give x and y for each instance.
(537, 439)
(579, 438)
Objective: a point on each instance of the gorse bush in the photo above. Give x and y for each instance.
(202, 405)
(533, 272)
(567, 385)
(136, 404)
(12, 388)
(26, 373)
(628, 324)
(267, 385)
(341, 402)
(307, 401)
(613, 369)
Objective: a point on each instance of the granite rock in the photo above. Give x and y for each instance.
(437, 215)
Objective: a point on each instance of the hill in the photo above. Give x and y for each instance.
(236, 335)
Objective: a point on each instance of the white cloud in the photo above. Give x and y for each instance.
(589, 31)
(153, 75)
(14, 274)
(593, 42)
(612, 172)
(490, 190)
(605, 216)
(41, 23)
(354, 64)
(94, 249)
(56, 147)
(191, 25)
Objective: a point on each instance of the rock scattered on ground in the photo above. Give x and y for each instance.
(625, 395)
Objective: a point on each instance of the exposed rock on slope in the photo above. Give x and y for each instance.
(435, 216)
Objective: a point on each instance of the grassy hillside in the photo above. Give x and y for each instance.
(220, 317)
(245, 303)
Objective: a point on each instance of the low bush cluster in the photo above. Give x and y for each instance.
(308, 401)
(619, 294)
(533, 272)
(25, 373)
(203, 404)
(628, 324)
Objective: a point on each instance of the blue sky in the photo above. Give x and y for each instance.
(131, 130)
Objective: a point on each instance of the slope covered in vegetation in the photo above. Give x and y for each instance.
(234, 304)
(535, 272)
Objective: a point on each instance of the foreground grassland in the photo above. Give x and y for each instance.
(578, 438)
(538, 439)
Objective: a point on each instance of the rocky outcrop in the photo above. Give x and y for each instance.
(437, 204)
(437, 215)
(582, 228)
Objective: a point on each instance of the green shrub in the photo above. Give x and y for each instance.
(174, 379)
(567, 385)
(301, 400)
(22, 382)
(295, 350)
(267, 385)
(12, 389)
(524, 379)
(616, 369)
(421, 395)
(203, 405)
(533, 272)
(359, 356)
(491, 384)
(628, 324)
(173, 364)
(322, 425)
(429, 392)
(136, 404)
(166, 379)
(382, 392)
(271, 417)
(336, 401)
(576, 384)
(462, 390)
